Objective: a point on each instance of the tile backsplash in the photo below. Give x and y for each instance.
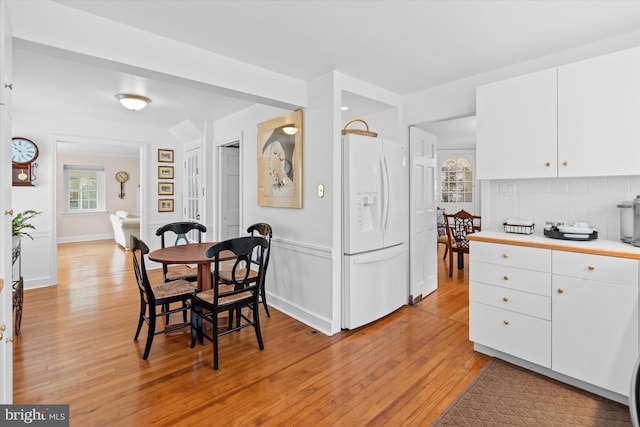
(591, 200)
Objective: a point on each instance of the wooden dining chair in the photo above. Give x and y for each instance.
(443, 239)
(184, 232)
(242, 291)
(459, 225)
(263, 230)
(157, 295)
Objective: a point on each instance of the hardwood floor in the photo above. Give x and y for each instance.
(76, 347)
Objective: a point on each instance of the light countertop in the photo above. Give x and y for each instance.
(596, 247)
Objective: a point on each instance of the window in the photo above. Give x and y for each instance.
(457, 181)
(84, 188)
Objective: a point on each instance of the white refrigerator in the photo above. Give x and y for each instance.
(375, 228)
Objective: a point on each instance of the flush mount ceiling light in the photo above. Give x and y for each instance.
(133, 102)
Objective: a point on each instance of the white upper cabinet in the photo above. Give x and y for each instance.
(517, 127)
(599, 115)
(581, 119)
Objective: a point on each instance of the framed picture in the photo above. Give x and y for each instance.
(165, 156)
(165, 205)
(165, 189)
(280, 161)
(165, 172)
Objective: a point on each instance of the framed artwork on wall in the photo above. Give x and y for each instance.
(165, 205)
(280, 161)
(165, 189)
(165, 172)
(165, 156)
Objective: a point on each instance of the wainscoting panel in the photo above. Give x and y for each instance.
(299, 282)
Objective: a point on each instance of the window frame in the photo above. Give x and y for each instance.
(68, 170)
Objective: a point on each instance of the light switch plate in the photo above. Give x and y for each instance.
(320, 190)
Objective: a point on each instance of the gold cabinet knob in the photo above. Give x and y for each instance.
(10, 339)
(591, 267)
(560, 290)
(505, 299)
(506, 277)
(505, 255)
(506, 322)
(3, 327)
(547, 164)
(1, 335)
(9, 212)
(565, 163)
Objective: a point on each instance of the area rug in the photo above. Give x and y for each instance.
(506, 395)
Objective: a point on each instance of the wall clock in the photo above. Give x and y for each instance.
(122, 177)
(23, 154)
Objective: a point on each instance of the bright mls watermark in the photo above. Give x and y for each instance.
(34, 415)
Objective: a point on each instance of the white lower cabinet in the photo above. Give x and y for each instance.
(595, 322)
(509, 304)
(573, 313)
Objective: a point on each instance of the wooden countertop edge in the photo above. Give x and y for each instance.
(556, 246)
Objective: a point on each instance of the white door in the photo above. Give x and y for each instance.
(193, 196)
(229, 192)
(6, 296)
(423, 232)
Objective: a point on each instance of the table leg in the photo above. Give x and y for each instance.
(204, 276)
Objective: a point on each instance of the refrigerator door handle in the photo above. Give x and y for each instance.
(377, 256)
(385, 191)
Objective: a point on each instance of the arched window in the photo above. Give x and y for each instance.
(457, 181)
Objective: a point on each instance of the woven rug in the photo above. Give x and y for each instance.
(506, 395)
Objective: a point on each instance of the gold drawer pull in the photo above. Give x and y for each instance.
(565, 163)
(505, 277)
(505, 255)
(548, 164)
(506, 322)
(560, 290)
(505, 299)
(591, 267)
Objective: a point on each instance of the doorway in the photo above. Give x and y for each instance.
(229, 190)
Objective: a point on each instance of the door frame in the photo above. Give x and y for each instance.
(196, 145)
(227, 142)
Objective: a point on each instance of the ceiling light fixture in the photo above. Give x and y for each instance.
(133, 102)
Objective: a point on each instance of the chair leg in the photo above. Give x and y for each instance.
(166, 307)
(196, 324)
(264, 300)
(451, 264)
(150, 335)
(460, 261)
(214, 336)
(446, 249)
(256, 325)
(143, 309)
(184, 313)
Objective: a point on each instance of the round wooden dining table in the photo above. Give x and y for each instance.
(192, 253)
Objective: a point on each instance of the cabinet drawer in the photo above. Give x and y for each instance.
(512, 300)
(526, 337)
(511, 255)
(621, 271)
(516, 278)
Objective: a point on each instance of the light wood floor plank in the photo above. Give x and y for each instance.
(76, 347)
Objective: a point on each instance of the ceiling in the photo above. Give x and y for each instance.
(403, 46)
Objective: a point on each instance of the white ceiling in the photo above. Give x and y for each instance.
(403, 46)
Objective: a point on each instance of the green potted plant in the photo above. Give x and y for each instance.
(20, 223)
